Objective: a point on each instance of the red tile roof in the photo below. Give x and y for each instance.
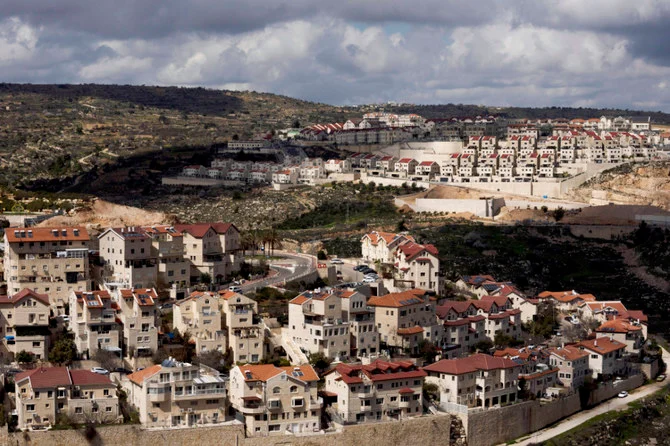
(569, 352)
(55, 234)
(86, 377)
(602, 346)
(139, 377)
(46, 377)
(566, 296)
(410, 331)
(618, 326)
(479, 361)
(412, 250)
(263, 372)
(377, 371)
(397, 300)
(24, 293)
(200, 229)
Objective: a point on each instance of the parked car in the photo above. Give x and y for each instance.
(360, 267)
(139, 369)
(623, 394)
(337, 262)
(660, 378)
(235, 289)
(100, 370)
(369, 280)
(123, 370)
(166, 306)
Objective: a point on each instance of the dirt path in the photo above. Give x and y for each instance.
(640, 271)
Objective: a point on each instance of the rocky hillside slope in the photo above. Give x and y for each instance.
(645, 183)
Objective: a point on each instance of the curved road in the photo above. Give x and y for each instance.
(292, 266)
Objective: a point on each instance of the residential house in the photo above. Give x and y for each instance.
(177, 394)
(244, 328)
(378, 391)
(463, 327)
(430, 168)
(128, 258)
(94, 323)
(364, 339)
(625, 332)
(387, 163)
(286, 176)
(24, 324)
(539, 382)
(475, 284)
(51, 261)
(43, 393)
(337, 166)
(479, 380)
(316, 325)
(417, 267)
(138, 312)
(276, 400)
(378, 246)
(200, 316)
(194, 171)
(566, 300)
(572, 363)
(405, 319)
(212, 249)
(605, 356)
(407, 165)
(167, 247)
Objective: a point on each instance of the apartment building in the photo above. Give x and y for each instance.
(93, 321)
(212, 248)
(364, 340)
(167, 247)
(138, 312)
(572, 363)
(316, 325)
(380, 246)
(476, 381)
(199, 314)
(377, 391)
(45, 392)
(540, 382)
(405, 319)
(177, 394)
(244, 327)
(24, 324)
(417, 267)
(605, 356)
(51, 261)
(274, 400)
(128, 258)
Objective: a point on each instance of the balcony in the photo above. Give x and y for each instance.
(366, 393)
(404, 404)
(159, 397)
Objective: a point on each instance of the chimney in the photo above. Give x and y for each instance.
(595, 343)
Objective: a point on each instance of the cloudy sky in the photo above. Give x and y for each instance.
(601, 53)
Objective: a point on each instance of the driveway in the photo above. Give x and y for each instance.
(585, 415)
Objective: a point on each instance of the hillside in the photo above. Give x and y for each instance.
(54, 136)
(640, 183)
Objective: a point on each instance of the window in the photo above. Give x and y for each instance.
(78, 410)
(108, 409)
(30, 407)
(294, 389)
(276, 390)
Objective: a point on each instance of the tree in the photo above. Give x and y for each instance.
(558, 213)
(401, 226)
(25, 357)
(63, 352)
(205, 278)
(523, 389)
(107, 360)
(319, 361)
(428, 351)
(321, 255)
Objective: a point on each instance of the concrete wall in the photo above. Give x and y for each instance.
(192, 181)
(608, 390)
(393, 181)
(481, 208)
(500, 425)
(424, 430)
(551, 205)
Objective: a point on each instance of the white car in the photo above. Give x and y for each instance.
(100, 370)
(234, 289)
(337, 262)
(623, 394)
(369, 279)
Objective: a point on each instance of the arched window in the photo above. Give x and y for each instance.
(294, 389)
(276, 390)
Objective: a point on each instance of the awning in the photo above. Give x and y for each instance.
(251, 398)
(9, 337)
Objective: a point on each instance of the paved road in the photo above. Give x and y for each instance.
(585, 415)
(290, 267)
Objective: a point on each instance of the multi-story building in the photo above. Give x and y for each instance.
(476, 381)
(138, 312)
(128, 258)
(381, 246)
(93, 321)
(276, 400)
(417, 267)
(605, 356)
(53, 261)
(244, 327)
(377, 391)
(572, 363)
(199, 315)
(24, 324)
(407, 165)
(364, 335)
(624, 331)
(212, 249)
(177, 394)
(405, 319)
(44, 393)
(316, 325)
(167, 247)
